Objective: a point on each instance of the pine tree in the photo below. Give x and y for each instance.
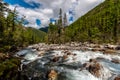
(65, 20)
(60, 19)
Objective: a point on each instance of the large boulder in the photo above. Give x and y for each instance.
(117, 78)
(95, 69)
(52, 75)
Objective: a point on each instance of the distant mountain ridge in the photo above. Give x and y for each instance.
(44, 29)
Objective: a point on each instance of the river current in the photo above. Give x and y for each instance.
(70, 68)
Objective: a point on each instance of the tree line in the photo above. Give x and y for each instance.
(56, 31)
(100, 25)
(12, 30)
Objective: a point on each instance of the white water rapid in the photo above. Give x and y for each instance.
(69, 68)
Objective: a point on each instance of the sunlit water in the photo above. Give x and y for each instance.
(69, 69)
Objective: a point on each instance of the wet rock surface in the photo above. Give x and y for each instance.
(116, 61)
(95, 69)
(52, 75)
(117, 77)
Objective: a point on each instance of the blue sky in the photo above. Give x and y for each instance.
(40, 12)
(23, 3)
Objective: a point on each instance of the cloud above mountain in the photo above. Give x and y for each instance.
(46, 9)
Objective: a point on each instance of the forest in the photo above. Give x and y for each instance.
(100, 25)
(13, 34)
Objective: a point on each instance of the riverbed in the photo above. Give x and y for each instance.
(68, 64)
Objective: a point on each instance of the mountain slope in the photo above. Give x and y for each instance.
(44, 29)
(39, 35)
(102, 24)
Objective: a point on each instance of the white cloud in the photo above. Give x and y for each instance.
(33, 14)
(50, 9)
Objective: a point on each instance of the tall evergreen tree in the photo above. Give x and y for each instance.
(65, 20)
(60, 19)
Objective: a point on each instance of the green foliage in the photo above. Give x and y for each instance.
(52, 34)
(13, 33)
(8, 69)
(56, 31)
(102, 24)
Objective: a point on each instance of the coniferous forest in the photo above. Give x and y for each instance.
(12, 31)
(100, 25)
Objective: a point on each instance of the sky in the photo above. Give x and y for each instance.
(39, 13)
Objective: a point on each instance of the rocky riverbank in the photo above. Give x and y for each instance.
(105, 48)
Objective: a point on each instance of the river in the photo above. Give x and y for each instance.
(36, 66)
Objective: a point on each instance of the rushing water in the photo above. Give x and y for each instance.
(69, 69)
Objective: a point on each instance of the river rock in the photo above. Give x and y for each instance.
(109, 46)
(117, 78)
(55, 59)
(74, 54)
(100, 58)
(93, 60)
(52, 75)
(41, 53)
(95, 69)
(85, 66)
(65, 57)
(98, 49)
(69, 53)
(117, 48)
(116, 61)
(108, 51)
(65, 51)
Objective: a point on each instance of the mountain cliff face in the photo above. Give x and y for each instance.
(101, 24)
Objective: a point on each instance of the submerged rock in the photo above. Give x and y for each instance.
(52, 75)
(116, 61)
